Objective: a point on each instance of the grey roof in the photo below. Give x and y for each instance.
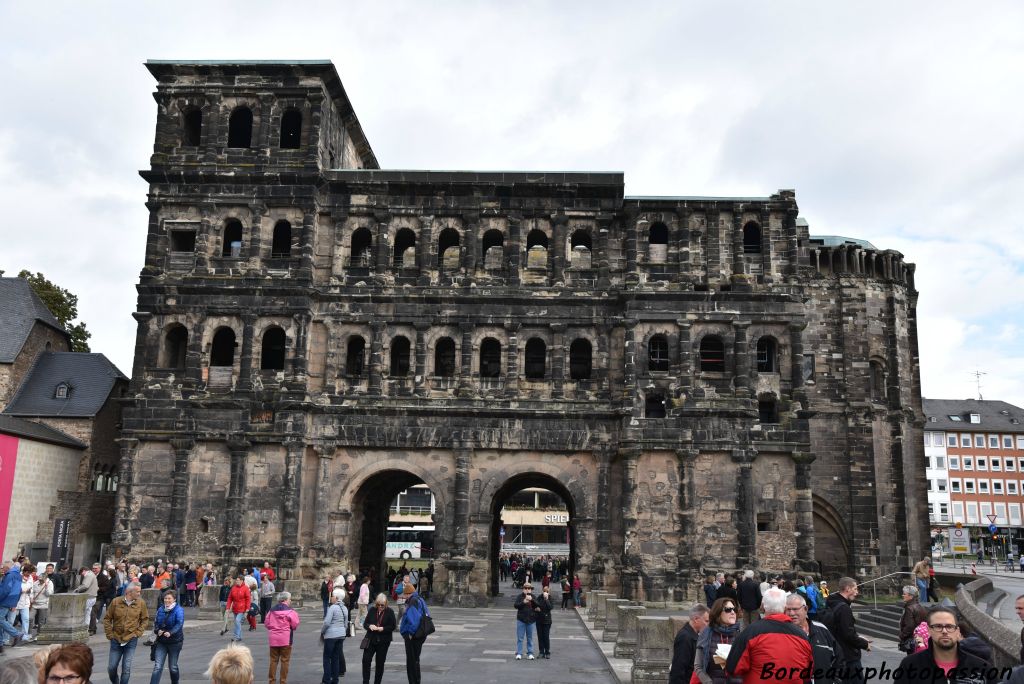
(20, 310)
(838, 240)
(91, 378)
(20, 427)
(996, 416)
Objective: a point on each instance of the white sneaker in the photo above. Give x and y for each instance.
(518, 657)
(530, 657)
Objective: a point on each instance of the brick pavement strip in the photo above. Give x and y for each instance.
(471, 646)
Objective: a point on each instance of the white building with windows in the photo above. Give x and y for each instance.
(937, 472)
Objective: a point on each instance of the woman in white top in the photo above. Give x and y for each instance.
(42, 590)
(24, 601)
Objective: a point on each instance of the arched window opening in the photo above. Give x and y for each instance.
(492, 238)
(492, 247)
(232, 246)
(767, 356)
(291, 129)
(361, 250)
(580, 359)
(768, 410)
(712, 355)
(204, 526)
(579, 249)
(282, 243)
(448, 248)
(752, 238)
(654, 405)
(658, 234)
(404, 254)
(536, 359)
(354, 356)
(222, 352)
(876, 380)
(240, 128)
(657, 353)
(444, 358)
(490, 358)
(400, 357)
(272, 355)
(536, 238)
(175, 347)
(580, 238)
(63, 391)
(193, 127)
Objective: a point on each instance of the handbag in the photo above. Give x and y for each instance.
(426, 627)
(365, 642)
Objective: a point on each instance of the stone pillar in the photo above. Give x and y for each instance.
(324, 487)
(194, 357)
(300, 362)
(514, 250)
(766, 244)
(738, 267)
(602, 455)
(713, 256)
(179, 496)
(420, 376)
(471, 247)
(460, 496)
(254, 244)
(741, 358)
(291, 504)
(653, 656)
(123, 516)
(592, 602)
(601, 609)
(792, 259)
(423, 260)
(625, 643)
(306, 242)
(143, 357)
(151, 597)
(466, 348)
(796, 344)
(512, 360)
(611, 618)
(632, 275)
(209, 601)
(804, 513)
(629, 390)
(685, 360)
(604, 226)
(155, 254)
(559, 225)
(245, 362)
(376, 348)
(687, 561)
(746, 515)
(381, 244)
(557, 360)
(67, 620)
(683, 243)
(239, 448)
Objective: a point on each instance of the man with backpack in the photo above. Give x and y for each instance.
(412, 634)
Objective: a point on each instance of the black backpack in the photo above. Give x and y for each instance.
(827, 617)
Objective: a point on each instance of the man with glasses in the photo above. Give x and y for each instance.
(944, 660)
(827, 663)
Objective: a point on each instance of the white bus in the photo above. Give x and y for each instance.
(416, 541)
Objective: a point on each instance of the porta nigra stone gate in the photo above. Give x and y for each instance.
(704, 383)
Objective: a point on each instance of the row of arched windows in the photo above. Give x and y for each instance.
(711, 356)
(240, 128)
(280, 246)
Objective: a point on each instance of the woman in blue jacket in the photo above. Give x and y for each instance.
(170, 636)
(415, 609)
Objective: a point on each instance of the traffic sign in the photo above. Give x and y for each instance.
(992, 528)
(992, 519)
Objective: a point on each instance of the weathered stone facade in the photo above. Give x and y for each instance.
(704, 384)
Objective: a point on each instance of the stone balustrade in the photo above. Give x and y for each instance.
(67, 620)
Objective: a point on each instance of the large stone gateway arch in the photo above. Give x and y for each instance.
(694, 376)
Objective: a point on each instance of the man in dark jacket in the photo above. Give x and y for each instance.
(913, 615)
(526, 615)
(944, 660)
(823, 645)
(844, 628)
(684, 648)
(750, 597)
(772, 649)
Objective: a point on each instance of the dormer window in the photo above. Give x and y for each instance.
(975, 417)
(63, 391)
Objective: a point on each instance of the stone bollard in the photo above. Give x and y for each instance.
(611, 618)
(625, 644)
(592, 603)
(67, 620)
(601, 615)
(209, 600)
(152, 598)
(653, 655)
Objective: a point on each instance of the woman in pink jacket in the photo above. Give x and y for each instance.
(281, 623)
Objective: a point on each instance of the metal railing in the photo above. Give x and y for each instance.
(874, 587)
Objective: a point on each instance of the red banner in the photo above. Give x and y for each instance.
(8, 460)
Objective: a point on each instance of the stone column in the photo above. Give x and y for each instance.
(376, 347)
(420, 376)
(792, 246)
(766, 244)
(741, 358)
(423, 242)
(239, 448)
(604, 226)
(143, 357)
(687, 561)
(512, 360)
(179, 496)
(611, 621)
(685, 360)
(713, 256)
(559, 225)
(300, 359)
(653, 656)
(123, 517)
(466, 373)
(625, 644)
(322, 541)
(470, 248)
(603, 559)
(245, 361)
(746, 515)
(381, 244)
(460, 496)
(514, 250)
(307, 239)
(292, 499)
(804, 513)
(738, 267)
(557, 359)
(255, 242)
(683, 244)
(630, 360)
(796, 345)
(155, 254)
(628, 575)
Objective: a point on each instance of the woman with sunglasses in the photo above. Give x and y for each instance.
(722, 629)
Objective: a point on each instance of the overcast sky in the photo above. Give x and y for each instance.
(899, 123)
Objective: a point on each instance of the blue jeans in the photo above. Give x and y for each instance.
(922, 590)
(169, 653)
(334, 660)
(7, 628)
(239, 618)
(524, 629)
(24, 613)
(121, 655)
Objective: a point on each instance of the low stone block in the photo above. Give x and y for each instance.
(625, 644)
(152, 599)
(209, 600)
(653, 655)
(592, 603)
(611, 618)
(601, 616)
(67, 620)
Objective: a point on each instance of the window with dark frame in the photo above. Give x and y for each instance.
(444, 358)
(232, 247)
(291, 129)
(240, 128)
(712, 355)
(400, 356)
(193, 127)
(535, 366)
(657, 353)
(751, 238)
(281, 245)
(767, 355)
(273, 350)
(354, 356)
(222, 351)
(490, 358)
(580, 359)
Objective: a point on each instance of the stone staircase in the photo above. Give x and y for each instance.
(878, 623)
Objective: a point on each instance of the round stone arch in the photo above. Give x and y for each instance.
(560, 480)
(384, 478)
(831, 538)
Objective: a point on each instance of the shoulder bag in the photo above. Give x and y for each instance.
(426, 626)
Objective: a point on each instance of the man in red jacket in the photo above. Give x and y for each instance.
(773, 648)
(239, 602)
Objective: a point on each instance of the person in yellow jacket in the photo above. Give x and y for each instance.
(126, 620)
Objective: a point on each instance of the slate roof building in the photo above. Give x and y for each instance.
(703, 383)
(58, 432)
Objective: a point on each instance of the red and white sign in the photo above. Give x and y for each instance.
(8, 460)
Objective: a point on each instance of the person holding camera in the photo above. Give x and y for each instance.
(526, 616)
(544, 623)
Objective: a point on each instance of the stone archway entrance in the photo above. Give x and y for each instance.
(831, 547)
(516, 484)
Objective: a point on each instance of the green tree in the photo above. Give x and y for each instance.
(63, 304)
